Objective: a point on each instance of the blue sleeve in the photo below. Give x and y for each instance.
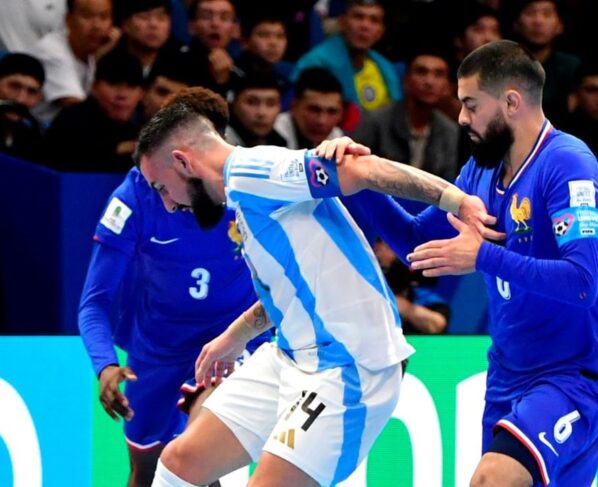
(570, 279)
(381, 216)
(569, 184)
(106, 271)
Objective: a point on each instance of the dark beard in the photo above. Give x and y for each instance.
(498, 140)
(207, 213)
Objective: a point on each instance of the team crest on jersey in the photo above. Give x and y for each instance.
(235, 236)
(521, 213)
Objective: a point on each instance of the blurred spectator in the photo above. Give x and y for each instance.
(169, 75)
(98, 134)
(146, 26)
(583, 122)
(316, 110)
(255, 106)
(213, 26)
(264, 42)
(414, 131)
(538, 24)
(299, 21)
(69, 56)
(24, 22)
(369, 80)
(21, 81)
(477, 25)
(422, 310)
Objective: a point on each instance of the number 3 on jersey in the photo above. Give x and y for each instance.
(202, 281)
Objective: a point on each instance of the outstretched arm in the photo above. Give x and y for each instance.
(359, 170)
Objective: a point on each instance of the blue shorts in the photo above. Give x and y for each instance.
(556, 419)
(153, 398)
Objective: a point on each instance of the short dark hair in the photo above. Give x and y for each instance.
(19, 63)
(177, 66)
(586, 69)
(317, 79)
(469, 14)
(186, 106)
(500, 62)
(251, 19)
(120, 67)
(194, 6)
(265, 80)
(349, 4)
(127, 8)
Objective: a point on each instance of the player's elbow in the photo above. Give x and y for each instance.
(587, 294)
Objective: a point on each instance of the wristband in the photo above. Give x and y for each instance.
(451, 199)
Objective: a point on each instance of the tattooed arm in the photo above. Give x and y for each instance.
(397, 179)
(217, 358)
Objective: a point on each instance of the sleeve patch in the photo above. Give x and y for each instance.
(116, 216)
(321, 176)
(582, 193)
(575, 223)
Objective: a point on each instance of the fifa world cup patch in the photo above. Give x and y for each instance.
(575, 223)
(116, 216)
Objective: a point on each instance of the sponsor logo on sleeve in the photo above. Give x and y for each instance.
(582, 193)
(116, 216)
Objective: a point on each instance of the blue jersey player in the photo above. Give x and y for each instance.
(162, 288)
(310, 406)
(540, 424)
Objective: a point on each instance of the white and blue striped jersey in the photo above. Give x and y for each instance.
(312, 267)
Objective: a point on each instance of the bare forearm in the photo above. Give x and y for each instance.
(251, 323)
(409, 182)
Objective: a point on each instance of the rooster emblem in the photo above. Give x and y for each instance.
(520, 213)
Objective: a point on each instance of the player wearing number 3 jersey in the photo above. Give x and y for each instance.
(160, 288)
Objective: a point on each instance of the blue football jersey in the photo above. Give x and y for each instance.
(542, 280)
(182, 286)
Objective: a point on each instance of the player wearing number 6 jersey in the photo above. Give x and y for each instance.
(160, 288)
(309, 406)
(540, 424)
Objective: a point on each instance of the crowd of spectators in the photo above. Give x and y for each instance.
(78, 78)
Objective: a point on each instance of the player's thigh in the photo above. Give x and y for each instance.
(247, 401)
(273, 471)
(143, 465)
(328, 420)
(153, 398)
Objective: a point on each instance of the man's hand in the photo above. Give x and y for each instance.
(453, 256)
(220, 65)
(217, 359)
(114, 401)
(340, 147)
(473, 212)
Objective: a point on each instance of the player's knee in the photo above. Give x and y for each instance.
(174, 457)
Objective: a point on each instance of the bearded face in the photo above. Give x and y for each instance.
(207, 212)
(490, 149)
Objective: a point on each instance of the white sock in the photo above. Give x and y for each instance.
(165, 478)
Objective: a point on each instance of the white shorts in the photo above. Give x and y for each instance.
(322, 422)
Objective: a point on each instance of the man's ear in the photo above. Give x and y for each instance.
(513, 99)
(182, 163)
